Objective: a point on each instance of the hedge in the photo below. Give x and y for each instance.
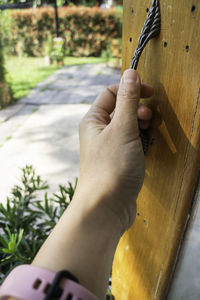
(86, 31)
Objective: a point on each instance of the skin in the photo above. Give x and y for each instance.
(111, 175)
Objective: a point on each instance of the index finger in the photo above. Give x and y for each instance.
(106, 101)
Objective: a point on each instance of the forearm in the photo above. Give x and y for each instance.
(83, 242)
(112, 166)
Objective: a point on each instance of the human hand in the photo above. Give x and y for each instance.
(111, 175)
(111, 155)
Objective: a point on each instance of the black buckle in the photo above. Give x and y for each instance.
(54, 291)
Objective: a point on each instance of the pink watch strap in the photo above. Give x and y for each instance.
(28, 282)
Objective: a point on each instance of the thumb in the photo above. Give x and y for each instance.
(127, 101)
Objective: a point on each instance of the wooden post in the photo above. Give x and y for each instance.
(147, 253)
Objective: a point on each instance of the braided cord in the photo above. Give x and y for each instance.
(150, 30)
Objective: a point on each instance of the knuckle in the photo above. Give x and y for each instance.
(85, 121)
(112, 89)
(129, 93)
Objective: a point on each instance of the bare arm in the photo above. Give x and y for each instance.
(111, 175)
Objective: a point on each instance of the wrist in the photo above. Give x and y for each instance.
(84, 242)
(115, 205)
(97, 207)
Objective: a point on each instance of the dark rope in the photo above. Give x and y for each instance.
(150, 30)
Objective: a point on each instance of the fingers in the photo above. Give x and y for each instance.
(144, 124)
(144, 116)
(146, 90)
(103, 108)
(106, 101)
(144, 113)
(128, 97)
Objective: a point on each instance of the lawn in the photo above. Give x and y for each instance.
(26, 72)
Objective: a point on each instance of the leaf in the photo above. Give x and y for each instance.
(12, 243)
(3, 240)
(6, 250)
(9, 233)
(4, 260)
(20, 237)
(26, 221)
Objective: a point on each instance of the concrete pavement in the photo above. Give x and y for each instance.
(42, 129)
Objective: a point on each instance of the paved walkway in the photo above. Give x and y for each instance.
(42, 129)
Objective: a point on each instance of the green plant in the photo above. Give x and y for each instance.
(107, 53)
(26, 220)
(85, 30)
(6, 25)
(24, 73)
(57, 53)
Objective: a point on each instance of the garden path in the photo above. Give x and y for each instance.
(42, 129)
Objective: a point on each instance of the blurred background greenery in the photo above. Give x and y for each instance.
(38, 37)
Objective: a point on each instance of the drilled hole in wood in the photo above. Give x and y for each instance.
(132, 11)
(147, 9)
(187, 48)
(130, 40)
(37, 284)
(138, 214)
(165, 44)
(152, 141)
(46, 288)
(193, 8)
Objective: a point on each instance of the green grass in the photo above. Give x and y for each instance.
(69, 60)
(26, 72)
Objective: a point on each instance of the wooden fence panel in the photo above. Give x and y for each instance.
(146, 255)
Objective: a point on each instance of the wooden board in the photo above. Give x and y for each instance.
(146, 255)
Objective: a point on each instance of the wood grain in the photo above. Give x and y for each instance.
(146, 255)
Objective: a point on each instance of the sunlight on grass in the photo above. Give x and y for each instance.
(70, 60)
(24, 73)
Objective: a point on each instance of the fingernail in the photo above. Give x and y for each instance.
(130, 76)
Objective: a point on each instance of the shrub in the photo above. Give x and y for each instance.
(85, 30)
(26, 221)
(57, 53)
(6, 30)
